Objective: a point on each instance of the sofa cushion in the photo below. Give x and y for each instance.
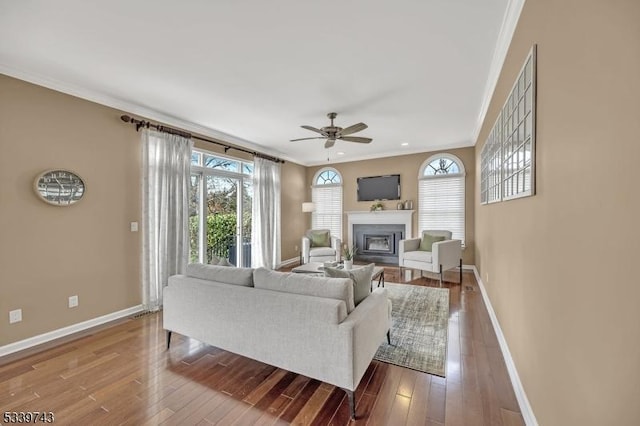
(418, 256)
(427, 241)
(360, 278)
(320, 238)
(236, 276)
(287, 282)
(322, 251)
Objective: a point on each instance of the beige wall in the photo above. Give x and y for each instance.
(49, 253)
(407, 166)
(294, 222)
(559, 267)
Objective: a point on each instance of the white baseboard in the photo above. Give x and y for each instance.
(65, 331)
(523, 401)
(288, 262)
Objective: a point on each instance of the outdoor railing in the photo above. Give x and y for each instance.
(226, 248)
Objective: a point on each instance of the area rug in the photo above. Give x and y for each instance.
(420, 321)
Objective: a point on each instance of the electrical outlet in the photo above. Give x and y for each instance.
(134, 226)
(15, 316)
(73, 301)
(295, 248)
(486, 277)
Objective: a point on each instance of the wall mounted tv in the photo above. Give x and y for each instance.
(379, 188)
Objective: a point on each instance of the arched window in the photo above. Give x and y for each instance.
(441, 195)
(326, 195)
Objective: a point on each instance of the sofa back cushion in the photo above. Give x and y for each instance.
(288, 282)
(223, 274)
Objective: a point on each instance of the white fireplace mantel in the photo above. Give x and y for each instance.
(392, 217)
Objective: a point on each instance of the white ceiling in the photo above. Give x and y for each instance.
(416, 71)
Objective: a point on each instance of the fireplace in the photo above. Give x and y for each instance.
(377, 243)
(384, 229)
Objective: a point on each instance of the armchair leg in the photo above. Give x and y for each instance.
(440, 275)
(389, 337)
(168, 338)
(460, 271)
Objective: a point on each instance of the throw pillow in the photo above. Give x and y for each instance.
(360, 277)
(428, 240)
(320, 239)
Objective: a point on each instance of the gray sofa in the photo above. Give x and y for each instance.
(304, 324)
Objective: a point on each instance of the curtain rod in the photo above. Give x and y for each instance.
(142, 123)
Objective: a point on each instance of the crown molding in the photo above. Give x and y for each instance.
(507, 29)
(387, 154)
(135, 109)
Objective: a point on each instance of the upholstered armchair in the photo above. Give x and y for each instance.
(319, 246)
(434, 252)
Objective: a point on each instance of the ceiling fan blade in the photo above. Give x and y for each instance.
(329, 143)
(306, 139)
(313, 129)
(356, 139)
(353, 129)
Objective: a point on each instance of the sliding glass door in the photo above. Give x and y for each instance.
(220, 209)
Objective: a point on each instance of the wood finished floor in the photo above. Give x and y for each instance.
(124, 375)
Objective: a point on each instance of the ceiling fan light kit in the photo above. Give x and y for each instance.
(332, 133)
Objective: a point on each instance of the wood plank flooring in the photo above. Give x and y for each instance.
(124, 375)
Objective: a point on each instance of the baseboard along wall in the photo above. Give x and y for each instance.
(66, 331)
(521, 396)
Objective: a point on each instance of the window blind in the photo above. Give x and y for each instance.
(441, 205)
(327, 200)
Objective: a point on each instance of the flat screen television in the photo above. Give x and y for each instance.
(379, 188)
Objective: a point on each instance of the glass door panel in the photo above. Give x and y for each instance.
(222, 213)
(247, 204)
(195, 207)
(220, 204)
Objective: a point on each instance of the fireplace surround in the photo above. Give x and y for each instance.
(377, 234)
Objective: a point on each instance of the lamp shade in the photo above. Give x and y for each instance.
(308, 207)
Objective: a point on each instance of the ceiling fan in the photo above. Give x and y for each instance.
(331, 133)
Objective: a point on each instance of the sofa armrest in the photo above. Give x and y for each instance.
(404, 246)
(306, 249)
(447, 253)
(367, 325)
(336, 244)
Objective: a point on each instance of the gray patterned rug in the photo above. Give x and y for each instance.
(420, 321)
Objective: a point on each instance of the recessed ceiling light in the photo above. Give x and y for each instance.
(340, 153)
(404, 143)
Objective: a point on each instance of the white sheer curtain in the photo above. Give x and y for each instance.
(265, 229)
(165, 192)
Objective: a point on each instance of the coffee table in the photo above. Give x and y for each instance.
(317, 268)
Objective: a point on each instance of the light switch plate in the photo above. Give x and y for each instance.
(134, 226)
